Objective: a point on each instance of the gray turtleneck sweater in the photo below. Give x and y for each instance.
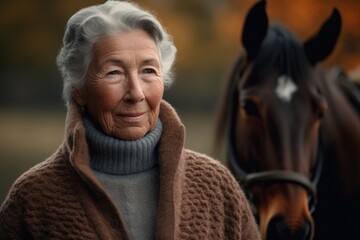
(129, 172)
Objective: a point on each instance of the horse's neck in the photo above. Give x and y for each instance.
(341, 132)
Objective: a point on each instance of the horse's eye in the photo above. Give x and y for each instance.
(320, 107)
(250, 108)
(320, 115)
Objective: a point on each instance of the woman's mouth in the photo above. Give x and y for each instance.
(132, 116)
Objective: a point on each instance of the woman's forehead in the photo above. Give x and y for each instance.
(124, 46)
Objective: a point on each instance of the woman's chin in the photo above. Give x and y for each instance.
(131, 133)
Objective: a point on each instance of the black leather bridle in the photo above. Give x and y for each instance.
(248, 180)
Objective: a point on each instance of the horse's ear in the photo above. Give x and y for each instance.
(320, 46)
(255, 29)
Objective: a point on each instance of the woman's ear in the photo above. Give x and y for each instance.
(78, 97)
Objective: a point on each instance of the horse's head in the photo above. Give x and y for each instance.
(275, 110)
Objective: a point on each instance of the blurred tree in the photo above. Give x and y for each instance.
(206, 32)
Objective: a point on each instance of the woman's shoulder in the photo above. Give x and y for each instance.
(201, 159)
(211, 169)
(48, 175)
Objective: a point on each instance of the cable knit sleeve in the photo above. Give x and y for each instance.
(11, 215)
(43, 204)
(238, 211)
(214, 206)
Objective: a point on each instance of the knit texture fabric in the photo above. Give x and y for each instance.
(128, 171)
(61, 198)
(136, 196)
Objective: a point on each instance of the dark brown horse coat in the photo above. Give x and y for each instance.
(288, 122)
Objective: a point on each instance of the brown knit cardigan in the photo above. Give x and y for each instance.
(61, 197)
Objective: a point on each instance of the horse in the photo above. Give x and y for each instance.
(292, 131)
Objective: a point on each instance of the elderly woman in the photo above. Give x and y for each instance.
(122, 171)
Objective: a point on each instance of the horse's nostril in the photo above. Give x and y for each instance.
(304, 232)
(279, 230)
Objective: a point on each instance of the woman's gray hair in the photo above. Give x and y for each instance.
(90, 24)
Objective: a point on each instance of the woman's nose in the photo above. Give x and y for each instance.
(134, 91)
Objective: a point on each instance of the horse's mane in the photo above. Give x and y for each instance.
(225, 102)
(341, 125)
(281, 52)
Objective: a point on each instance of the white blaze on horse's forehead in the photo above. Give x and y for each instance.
(285, 88)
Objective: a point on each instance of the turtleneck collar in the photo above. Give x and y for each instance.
(115, 156)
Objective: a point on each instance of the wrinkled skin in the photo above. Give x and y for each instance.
(123, 86)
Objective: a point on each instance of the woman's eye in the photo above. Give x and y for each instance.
(115, 72)
(149, 71)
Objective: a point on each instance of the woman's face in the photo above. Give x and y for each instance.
(123, 86)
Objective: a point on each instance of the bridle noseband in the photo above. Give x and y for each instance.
(248, 180)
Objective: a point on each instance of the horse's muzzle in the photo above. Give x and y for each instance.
(278, 229)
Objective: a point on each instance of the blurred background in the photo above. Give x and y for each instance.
(206, 33)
